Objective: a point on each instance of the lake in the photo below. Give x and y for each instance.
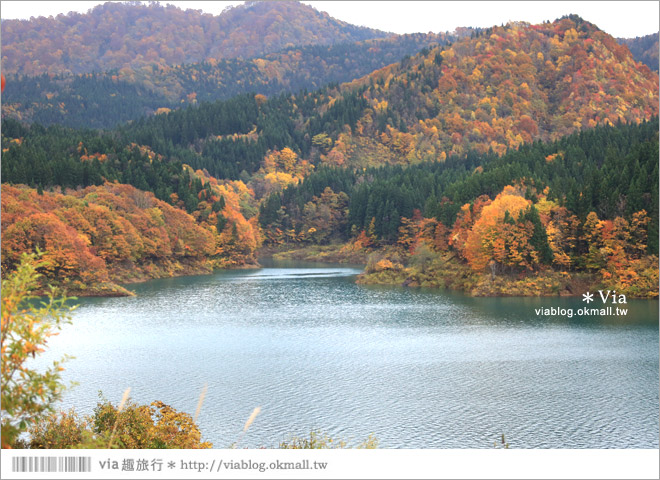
(418, 368)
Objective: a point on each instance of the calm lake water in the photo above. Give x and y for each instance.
(417, 368)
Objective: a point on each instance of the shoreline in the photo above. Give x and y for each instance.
(333, 253)
(444, 273)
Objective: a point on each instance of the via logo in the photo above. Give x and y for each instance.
(605, 296)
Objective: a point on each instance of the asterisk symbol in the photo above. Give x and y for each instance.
(587, 297)
(171, 465)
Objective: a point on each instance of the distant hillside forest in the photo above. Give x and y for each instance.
(522, 212)
(514, 152)
(133, 35)
(104, 100)
(644, 49)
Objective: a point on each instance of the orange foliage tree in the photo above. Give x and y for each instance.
(99, 233)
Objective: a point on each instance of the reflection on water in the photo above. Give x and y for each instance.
(418, 368)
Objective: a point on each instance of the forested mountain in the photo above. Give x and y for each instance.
(521, 213)
(425, 108)
(504, 87)
(585, 203)
(100, 231)
(644, 49)
(470, 141)
(104, 100)
(130, 34)
(86, 100)
(142, 142)
(609, 170)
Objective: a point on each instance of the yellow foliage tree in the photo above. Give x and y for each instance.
(478, 250)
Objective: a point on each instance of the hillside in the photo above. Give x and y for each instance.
(504, 87)
(425, 224)
(552, 218)
(425, 145)
(477, 94)
(104, 100)
(117, 233)
(644, 49)
(121, 35)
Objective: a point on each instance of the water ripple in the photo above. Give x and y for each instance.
(417, 368)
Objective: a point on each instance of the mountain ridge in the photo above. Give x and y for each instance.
(644, 49)
(503, 87)
(131, 34)
(126, 94)
(417, 158)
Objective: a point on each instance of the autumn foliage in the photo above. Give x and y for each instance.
(512, 245)
(132, 426)
(327, 166)
(512, 234)
(501, 88)
(120, 35)
(491, 238)
(222, 209)
(99, 234)
(28, 394)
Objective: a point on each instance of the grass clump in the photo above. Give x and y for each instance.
(318, 440)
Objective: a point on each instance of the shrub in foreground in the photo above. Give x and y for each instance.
(125, 426)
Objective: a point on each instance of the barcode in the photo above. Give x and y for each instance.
(51, 464)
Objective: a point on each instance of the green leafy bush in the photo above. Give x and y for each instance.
(28, 395)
